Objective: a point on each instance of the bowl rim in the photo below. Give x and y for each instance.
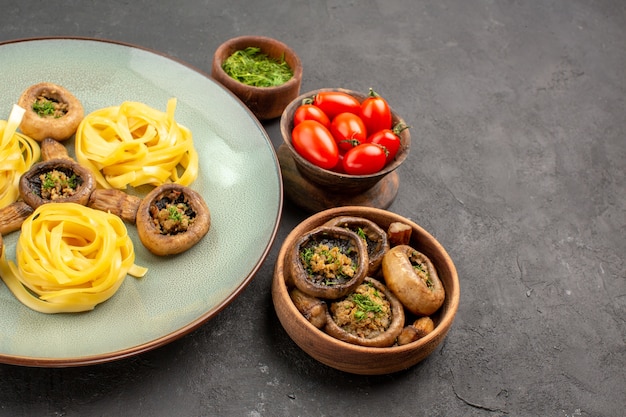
(452, 294)
(231, 45)
(286, 126)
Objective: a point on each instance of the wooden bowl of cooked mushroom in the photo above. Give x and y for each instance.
(365, 332)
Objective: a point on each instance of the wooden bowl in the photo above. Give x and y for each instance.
(331, 181)
(360, 359)
(265, 102)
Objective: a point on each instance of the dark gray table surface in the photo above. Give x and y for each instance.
(517, 167)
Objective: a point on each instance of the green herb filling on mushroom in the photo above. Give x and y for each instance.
(328, 264)
(364, 313)
(45, 106)
(57, 184)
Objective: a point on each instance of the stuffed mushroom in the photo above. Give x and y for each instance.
(59, 180)
(171, 219)
(51, 112)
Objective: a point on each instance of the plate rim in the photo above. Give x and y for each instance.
(56, 362)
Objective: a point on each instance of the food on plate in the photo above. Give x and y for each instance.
(13, 215)
(328, 262)
(52, 149)
(369, 316)
(51, 112)
(134, 144)
(116, 202)
(251, 66)
(18, 153)
(412, 277)
(69, 258)
(415, 331)
(374, 237)
(312, 308)
(60, 180)
(171, 219)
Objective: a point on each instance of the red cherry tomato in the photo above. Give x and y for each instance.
(389, 139)
(315, 143)
(375, 112)
(307, 111)
(334, 102)
(339, 167)
(348, 130)
(364, 159)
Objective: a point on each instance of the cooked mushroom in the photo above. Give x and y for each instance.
(399, 233)
(171, 219)
(328, 262)
(52, 149)
(51, 112)
(375, 238)
(13, 215)
(412, 277)
(420, 328)
(312, 308)
(369, 316)
(59, 180)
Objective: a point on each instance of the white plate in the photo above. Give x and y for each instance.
(239, 179)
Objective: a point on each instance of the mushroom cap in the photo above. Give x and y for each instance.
(171, 244)
(30, 183)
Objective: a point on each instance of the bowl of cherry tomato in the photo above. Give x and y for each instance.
(344, 141)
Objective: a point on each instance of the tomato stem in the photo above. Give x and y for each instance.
(399, 127)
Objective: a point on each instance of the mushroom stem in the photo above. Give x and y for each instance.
(13, 215)
(115, 201)
(52, 149)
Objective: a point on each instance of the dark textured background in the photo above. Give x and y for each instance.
(517, 166)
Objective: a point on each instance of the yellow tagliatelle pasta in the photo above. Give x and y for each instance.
(134, 144)
(18, 153)
(69, 258)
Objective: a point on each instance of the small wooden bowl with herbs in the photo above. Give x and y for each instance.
(390, 337)
(262, 72)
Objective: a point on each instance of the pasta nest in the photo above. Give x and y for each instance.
(135, 144)
(18, 153)
(69, 258)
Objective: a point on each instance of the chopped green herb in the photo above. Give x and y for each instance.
(424, 274)
(48, 182)
(43, 108)
(365, 305)
(327, 265)
(174, 213)
(250, 66)
(54, 178)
